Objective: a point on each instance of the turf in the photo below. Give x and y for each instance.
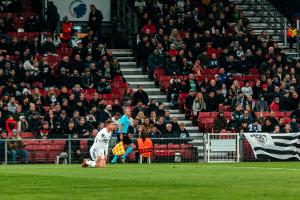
(156, 181)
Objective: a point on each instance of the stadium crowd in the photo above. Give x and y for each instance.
(56, 86)
(207, 48)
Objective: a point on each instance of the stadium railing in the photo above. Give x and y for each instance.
(67, 151)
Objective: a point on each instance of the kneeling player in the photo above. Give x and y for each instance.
(99, 149)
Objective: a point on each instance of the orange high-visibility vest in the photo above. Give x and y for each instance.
(292, 32)
(145, 148)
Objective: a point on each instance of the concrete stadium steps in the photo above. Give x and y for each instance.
(135, 76)
(259, 25)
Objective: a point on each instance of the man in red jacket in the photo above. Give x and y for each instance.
(10, 124)
(274, 106)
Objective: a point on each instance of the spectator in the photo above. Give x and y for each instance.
(22, 124)
(12, 105)
(268, 127)
(52, 17)
(45, 131)
(10, 124)
(199, 104)
(116, 118)
(220, 122)
(172, 66)
(174, 89)
(189, 100)
(155, 133)
(275, 105)
(277, 129)
(287, 129)
(191, 83)
(255, 127)
(211, 102)
(294, 125)
(160, 125)
(66, 29)
(161, 110)
(155, 61)
(140, 95)
(16, 147)
(237, 117)
(138, 108)
(261, 105)
(127, 98)
(247, 90)
(244, 127)
(95, 20)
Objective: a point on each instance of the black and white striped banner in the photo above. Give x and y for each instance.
(278, 146)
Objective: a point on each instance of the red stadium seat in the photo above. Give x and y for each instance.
(173, 146)
(27, 135)
(214, 114)
(203, 115)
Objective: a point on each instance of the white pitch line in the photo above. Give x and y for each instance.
(265, 168)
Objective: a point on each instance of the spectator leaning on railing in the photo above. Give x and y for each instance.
(16, 147)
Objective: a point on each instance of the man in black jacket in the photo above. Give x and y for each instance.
(140, 95)
(95, 20)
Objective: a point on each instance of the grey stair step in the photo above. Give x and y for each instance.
(120, 53)
(182, 116)
(141, 83)
(151, 89)
(174, 111)
(125, 69)
(195, 134)
(132, 72)
(186, 122)
(161, 98)
(131, 63)
(125, 58)
(136, 76)
(193, 128)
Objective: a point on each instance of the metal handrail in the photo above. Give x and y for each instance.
(262, 7)
(127, 16)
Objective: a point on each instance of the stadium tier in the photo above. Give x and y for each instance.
(194, 68)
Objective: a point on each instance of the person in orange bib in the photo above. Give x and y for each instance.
(145, 147)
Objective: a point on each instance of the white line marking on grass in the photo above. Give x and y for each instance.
(266, 168)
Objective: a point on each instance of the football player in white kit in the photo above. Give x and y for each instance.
(99, 149)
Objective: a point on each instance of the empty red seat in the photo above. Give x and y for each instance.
(161, 152)
(164, 84)
(213, 114)
(253, 71)
(186, 146)
(173, 146)
(288, 114)
(27, 135)
(84, 145)
(32, 142)
(280, 114)
(227, 115)
(46, 142)
(203, 115)
(59, 142)
(186, 153)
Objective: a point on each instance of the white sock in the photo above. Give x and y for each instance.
(91, 163)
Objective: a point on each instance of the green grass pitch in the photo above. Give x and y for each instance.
(267, 181)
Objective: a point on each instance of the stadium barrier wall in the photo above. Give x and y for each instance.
(67, 151)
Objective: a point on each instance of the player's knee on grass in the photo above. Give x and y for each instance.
(101, 162)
